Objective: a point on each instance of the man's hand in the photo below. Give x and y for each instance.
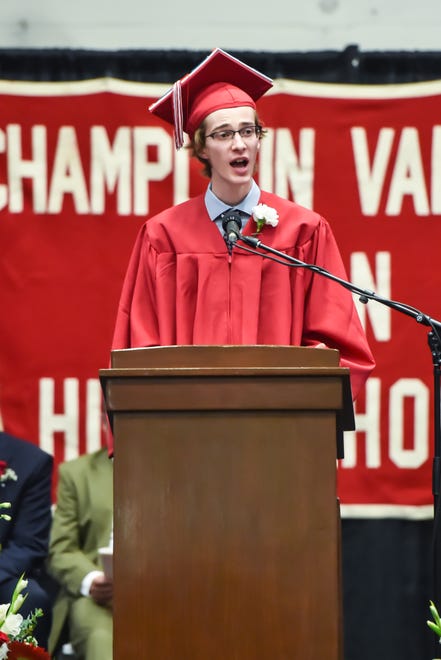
(101, 590)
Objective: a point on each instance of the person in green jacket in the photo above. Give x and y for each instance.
(82, 524)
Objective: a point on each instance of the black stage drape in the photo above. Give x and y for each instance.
(347, 66)
(387, 564)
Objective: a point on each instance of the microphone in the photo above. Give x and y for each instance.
(232, 224)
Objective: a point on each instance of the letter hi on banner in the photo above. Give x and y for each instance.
(81, 173)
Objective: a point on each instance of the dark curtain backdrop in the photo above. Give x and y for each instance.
(387, 564)
(347, 66)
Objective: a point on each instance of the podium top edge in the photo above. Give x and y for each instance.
(237, 371)
(230, 356)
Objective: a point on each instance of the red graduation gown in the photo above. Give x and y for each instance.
(183, 287)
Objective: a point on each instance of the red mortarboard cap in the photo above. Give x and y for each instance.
(220, 81)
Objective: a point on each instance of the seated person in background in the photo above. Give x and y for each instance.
(82, 524)
(26, 482)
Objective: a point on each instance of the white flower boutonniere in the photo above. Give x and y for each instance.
(264, 215)
(6, 473)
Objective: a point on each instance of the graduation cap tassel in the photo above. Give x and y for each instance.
(178, 114)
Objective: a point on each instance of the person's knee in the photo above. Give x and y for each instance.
(90, 628)
(100, 638)
(37, 598)
(97, 645)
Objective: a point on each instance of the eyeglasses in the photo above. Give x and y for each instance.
(246, 132)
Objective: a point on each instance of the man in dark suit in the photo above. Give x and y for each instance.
(25, 482)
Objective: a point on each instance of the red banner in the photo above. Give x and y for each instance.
(83, 164)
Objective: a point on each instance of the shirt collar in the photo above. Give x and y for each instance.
(215, 206)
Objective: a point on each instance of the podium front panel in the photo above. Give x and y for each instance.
(226, 536)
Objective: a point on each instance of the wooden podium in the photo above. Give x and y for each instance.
(227, 530)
